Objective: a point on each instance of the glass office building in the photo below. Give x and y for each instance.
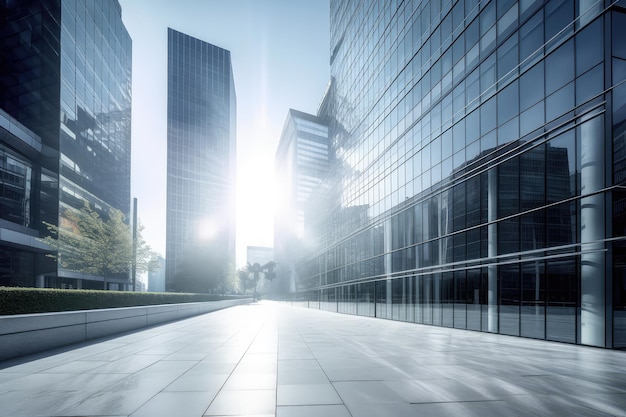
(65, 74)
(201, 140)
(300, 164)
(479, 168)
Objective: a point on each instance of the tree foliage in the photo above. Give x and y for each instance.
(249, 277)
(87, 243)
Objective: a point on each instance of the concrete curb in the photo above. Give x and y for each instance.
(24, 334)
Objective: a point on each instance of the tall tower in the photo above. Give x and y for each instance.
(65, 75)
(301, 162)
(201, 140)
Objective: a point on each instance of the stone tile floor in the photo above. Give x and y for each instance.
(268, 359)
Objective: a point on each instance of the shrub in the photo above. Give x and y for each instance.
(43, 300)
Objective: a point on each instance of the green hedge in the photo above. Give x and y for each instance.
(43, 300)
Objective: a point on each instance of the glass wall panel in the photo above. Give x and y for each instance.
(460, 300)
(559, 15)
(509, 299)
(473, 299)
(533, 313)
(398, 299)
(531, 39)
(447, 299)
(381, 299)
(561, 169)
(588, 47)
(532, 86)
(437, 300)
(562, 298)
(560, 67)
(619, 278)
(427, 297)
(366, 300)
(532, 178)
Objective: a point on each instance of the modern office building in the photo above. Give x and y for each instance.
(300, 164)
(65, 76)
(479, 153)
(201, 140)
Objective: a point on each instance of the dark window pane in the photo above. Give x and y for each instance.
(508, 188)
(531, 37)
(532, 178)
(508, 236)
(532, 323)
(562, 296)
(508, 103)
(560, 102)
(561, 167)
(560, 67)
(589, 84)
(509, 278)
(590, 47)
(559, 14)
(531, 86)
(619, 34)
(507, 57)
(488, 116)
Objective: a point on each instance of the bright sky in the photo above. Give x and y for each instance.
(280, 58)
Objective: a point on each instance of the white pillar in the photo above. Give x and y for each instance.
(592, 233)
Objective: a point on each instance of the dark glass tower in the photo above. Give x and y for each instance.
(201, 140)
(65, 74)
(478, 169)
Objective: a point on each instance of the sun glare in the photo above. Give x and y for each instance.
(207, 229)
(256, 202)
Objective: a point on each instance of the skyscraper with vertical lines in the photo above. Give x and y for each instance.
(201, 140)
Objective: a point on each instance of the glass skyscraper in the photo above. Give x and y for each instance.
(65, 75)
(478, 168)
(201, 141)
(301, 162)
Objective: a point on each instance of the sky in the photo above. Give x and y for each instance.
(280, 59)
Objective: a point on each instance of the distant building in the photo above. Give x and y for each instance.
(156, 279)
(301, 162)
(65, 78)
(259, 254)
(201, 139)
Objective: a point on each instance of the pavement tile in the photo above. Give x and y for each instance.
(307, 394)
(179, 404)
(268, 359)
(243, 402)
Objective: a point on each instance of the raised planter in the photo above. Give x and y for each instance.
(24, 334)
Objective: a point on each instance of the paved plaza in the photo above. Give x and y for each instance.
(268, 359)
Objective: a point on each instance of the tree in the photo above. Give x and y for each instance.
(254, 272)
(245, 280)
(85, 242)
(146, 259)
(270, 274)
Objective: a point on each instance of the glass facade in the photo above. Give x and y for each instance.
(201, 140)
(477, 175)
(66, 75)
(301, 162)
